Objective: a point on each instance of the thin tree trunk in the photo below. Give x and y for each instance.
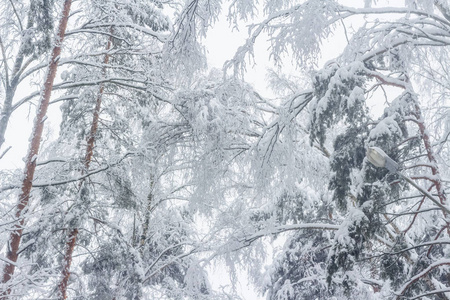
(430, 155)
(16, 234)
(72, 237)
(145, 225)
(11, 85)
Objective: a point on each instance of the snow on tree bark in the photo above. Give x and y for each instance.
(16, 234)
(72, 236)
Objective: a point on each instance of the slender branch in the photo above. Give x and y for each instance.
(445, 11)
(426, 193)
(393, 10)
(41, 163)
(430, 293)
(417, 212)
(168, 264)
(4, 152)
(61, 182)
(17, 15)
(415, 278)
(280, 229)
(2, 48)
(437, 236)
(67, 85)
(160, 36)
(98, 32)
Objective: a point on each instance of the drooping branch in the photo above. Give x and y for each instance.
(420, 275)
(246, 241)
(421, 296)
(66, 181)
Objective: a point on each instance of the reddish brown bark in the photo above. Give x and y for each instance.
(70, 246)
(426, 140)
(72, 237)
(417, 212)
(30, 167)
(436, 181)
(419, 276)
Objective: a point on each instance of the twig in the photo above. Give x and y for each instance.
(4, 152)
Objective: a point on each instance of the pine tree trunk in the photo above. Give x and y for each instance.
(72, 237)
(430, 155)
(16, 234)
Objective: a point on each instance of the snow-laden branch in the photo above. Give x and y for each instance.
(5, 151)
(77, 61)
(426, 244)
(283, 228)
(97, 32)
(82, 177)
(242, 51)
(286, 114)
(392, 10)
(121, 81)
(161, 36)
(65, 98)
(434, 292)
(176, 258)
(407, 285)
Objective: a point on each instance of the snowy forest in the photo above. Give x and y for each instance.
(151, 173)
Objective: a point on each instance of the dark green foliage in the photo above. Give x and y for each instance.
(372, 192)
(298, 272)
(394, 267)
(348, 244)
(339, 97)
(421, 286)
(39, 34)
(112, 262)
(43, 237)
(290, 208)
(349, 153)
(121, 187)
(148, 14)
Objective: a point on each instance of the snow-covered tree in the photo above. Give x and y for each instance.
(162, 169)
(391, 237)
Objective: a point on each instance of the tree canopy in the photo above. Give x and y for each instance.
(163, 168)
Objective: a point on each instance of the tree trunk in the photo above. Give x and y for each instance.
(437, 181)
(72, 237)
(16, 234)
(11, 85)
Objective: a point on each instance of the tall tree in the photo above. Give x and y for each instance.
(383, 220)
(72, 236)
(176, 170)
(16, 234)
